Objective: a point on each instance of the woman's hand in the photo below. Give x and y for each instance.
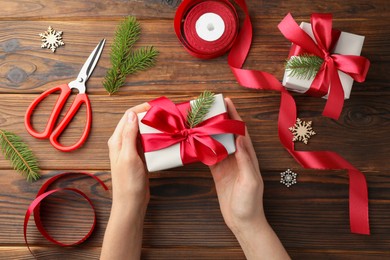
(240, 189)
(239, 184)
(130, 185)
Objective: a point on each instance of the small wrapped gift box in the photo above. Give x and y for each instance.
(347, 44)
(173, 144)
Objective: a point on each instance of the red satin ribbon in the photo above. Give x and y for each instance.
(327, 78)
(358, 198)
(196, 144)
(34, 208)
(190, 11)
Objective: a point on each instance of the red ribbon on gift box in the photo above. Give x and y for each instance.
(196, 144)
(327, 78)
(358, 198)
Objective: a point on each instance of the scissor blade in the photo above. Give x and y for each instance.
(91, 62)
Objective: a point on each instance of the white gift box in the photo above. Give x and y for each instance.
(170, 157)
(348, 44)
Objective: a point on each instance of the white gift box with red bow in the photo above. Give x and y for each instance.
(170, 157)
(347, 44)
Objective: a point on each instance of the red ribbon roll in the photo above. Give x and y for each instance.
(358, 198)
(196, 144)
(185, 27)
(42, 194)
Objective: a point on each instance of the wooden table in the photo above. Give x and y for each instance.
(183, 219)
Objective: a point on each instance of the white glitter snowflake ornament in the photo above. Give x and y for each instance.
(51, 39)
(302, 131)
(288, 178)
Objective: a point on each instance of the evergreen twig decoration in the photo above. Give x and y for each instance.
(304, 67)
(199, 108)
(20, 156)
(124, 59)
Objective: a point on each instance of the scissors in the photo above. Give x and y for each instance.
(52, 133)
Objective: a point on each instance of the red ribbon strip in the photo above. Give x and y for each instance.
(196, 144)
(34, 208)
(358, 198)
(327, 78)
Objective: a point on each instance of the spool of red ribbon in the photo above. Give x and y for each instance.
(207, 29)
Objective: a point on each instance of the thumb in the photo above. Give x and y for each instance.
(244, 162)
(129, 136)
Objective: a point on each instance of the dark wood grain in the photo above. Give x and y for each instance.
(81, 253)
(175, 69)
(259, 110)
(183, 219)
(165, 9)
(183, 212)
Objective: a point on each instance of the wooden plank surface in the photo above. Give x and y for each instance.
(183, 219)
(176, 69)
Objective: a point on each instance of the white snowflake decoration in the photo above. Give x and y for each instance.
(302, 131)
(51, 39)
(288, 178)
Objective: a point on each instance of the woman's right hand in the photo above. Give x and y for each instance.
(239, 187)
(239, 184)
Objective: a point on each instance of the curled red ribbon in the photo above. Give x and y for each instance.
(327, 78)
(34, 208)
(196, 144)
(358, 198)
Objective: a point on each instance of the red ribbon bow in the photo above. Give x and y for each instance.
(327, 78)
(196, 144)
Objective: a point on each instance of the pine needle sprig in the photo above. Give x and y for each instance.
(127, 34)
(304, 67)
(124, 59)
(141, 59)
(199, 108)
(19, 154)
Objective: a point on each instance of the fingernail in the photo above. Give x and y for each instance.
(131, 116)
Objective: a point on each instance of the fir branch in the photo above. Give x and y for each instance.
(124, 59)
(141, 59)
(20, 156)
(304, 67)
(199, 108)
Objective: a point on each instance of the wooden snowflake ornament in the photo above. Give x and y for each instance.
(302, 131)
(51, 39)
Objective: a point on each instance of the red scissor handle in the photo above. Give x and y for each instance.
(64, 94)
(54, 133)
(78, 101)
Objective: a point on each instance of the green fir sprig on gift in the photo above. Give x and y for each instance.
(19, 154)
(199, 108)
(124, 59)
(303, 67)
